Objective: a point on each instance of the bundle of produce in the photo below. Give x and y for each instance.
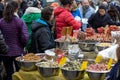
(90, 31)
(100, 30)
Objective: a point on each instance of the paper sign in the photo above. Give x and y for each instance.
(62, 61)
(84, 65)
(98, 58)
(110, 63)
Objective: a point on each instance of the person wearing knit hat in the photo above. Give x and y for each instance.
(101, 19)
(31, 14)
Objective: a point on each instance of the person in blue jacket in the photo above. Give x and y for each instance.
(76, 12)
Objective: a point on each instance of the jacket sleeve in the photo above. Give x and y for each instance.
(69, 19)
(3, 46)
(91, 21)
(111, 22)
(44, 41)
(24, 35)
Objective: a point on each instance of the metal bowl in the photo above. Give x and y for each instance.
(27, 66)
(73, 75)
(100, 48)
(87, 45)
(97, 75)
(48, 71)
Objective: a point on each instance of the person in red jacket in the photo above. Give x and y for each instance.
(64, 17)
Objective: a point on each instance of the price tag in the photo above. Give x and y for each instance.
(110, 63)
(84, 65)
(62, 61)
(98, 58)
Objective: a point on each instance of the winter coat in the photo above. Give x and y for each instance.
(64, 18)
(15, 34)
(3, 45)
(96, 21)
(114, 74)
(77, 13)
(29, 16)
(42, 38)
(23, 7)
(1, 10)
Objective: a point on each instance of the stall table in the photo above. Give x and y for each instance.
(34, 75)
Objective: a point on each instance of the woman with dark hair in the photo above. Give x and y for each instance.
(16, 36)
(114, 13)
(64, 17)
(42, 38)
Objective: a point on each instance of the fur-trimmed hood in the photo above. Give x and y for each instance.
(32, 10)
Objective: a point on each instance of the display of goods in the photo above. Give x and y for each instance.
(113, 28)
(99, 37)
(89, 31)
(103, 44)
(30, 57)
(81, 35)
(100, 30)
(66, 38)
(97, 67)
(48, 64)
(106, 60)
(72, 66)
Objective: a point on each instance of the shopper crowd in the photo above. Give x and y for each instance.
(30, 27)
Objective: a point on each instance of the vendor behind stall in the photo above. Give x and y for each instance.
(101, 19)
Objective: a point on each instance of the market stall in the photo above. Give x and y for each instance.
(75, 58)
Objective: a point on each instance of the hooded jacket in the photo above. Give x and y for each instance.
(42, 38)
(31, 14)
(64, 18)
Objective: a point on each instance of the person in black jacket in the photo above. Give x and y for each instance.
(42, 38)
(22, 7)
(3, 46)
(101, 19)
(1, 8)
(3, 50)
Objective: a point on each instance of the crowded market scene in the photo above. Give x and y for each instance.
(59, 39)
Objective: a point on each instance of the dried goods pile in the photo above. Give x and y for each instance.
(31, 57)
(103, 34)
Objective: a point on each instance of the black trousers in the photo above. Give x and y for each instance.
(9, 63)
